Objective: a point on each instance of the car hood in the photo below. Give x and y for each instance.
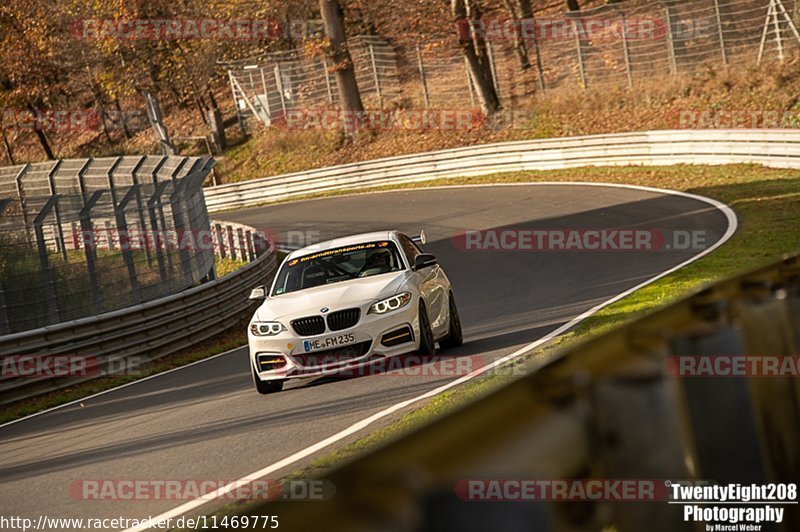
(336, 296)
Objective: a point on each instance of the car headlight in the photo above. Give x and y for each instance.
(266, 328)
(390, 304)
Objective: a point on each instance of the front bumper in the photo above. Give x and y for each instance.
(287, 356)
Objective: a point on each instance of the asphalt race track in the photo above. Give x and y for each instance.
(205, 421)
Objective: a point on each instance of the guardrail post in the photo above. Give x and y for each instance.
(220, 240)
(654, 449)
(242, 248)
(51, 298)
(230, 242)
(727, 450)
(250, 250)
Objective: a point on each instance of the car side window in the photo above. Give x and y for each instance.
(409, 248)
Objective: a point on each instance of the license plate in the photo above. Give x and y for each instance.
(328, 343)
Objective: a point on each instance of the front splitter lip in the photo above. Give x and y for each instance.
(295, 371)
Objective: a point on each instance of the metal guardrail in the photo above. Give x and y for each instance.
(121, 341)
(774, 148)
(616, 407)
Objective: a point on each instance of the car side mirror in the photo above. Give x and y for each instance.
(424, 260)
(258, 293)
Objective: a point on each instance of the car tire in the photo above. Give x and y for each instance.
(455, 336)
(427, 344)
(266, 387)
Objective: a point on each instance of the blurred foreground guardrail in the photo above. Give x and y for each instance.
(778, 148)
(632, 404)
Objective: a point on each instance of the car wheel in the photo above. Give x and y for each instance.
(265, 387)
(427, 345)
(456, 336)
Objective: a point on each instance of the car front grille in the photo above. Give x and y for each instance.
(343, 319)
(309, 326)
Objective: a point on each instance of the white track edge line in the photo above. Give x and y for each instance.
(352, 429)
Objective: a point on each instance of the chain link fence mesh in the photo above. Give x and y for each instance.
(82, 237)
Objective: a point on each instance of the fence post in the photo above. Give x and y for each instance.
(625, 48)
(673, 63)
(47, 277)
(51, 175)
(375, 76)
(125, 241)
(721, 34)
(239, 117)
(777, 26)
(539, 66)
(153, 203)
(140, 211)
(279, 85)
(327, 80)
(423, 79)
(5, 326)
(579, 51)
(21, 199)
(90, 249)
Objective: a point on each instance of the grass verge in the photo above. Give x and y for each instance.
(766, 203)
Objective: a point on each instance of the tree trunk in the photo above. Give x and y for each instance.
(40, 134)
(339, 55)
(122, 119)
(519, 42)
(476, 53)
(7, 147)
(572, 5)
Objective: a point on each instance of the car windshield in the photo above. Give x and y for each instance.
(339, 264)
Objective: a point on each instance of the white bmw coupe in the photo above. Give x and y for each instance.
(347, 302)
